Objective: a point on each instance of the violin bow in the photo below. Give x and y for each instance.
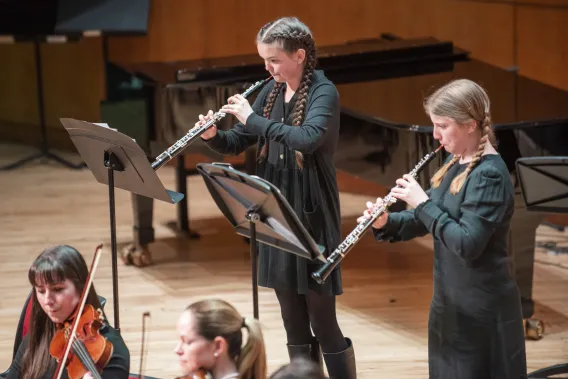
(144, 316)
(83, 299)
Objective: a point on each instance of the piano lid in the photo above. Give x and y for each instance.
(516, 102)
(353, 60)
(385, 130)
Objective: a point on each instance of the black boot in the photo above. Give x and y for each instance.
(311, 351)
(341, 365)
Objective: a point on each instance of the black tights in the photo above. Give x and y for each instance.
(299, 312)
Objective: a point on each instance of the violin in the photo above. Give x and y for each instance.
(91, 351)
(79, 347)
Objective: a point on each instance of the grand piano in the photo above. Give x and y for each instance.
(384, 130)
(173, 94)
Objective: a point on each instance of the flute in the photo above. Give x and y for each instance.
(341, 251)
(198, 130)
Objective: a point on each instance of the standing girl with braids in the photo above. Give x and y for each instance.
(295, 121)
(475, 328)
(215, 339)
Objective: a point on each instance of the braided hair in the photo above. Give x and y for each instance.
(291, 35)
(462, 100)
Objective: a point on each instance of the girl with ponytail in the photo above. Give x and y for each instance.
(294, 122)
(216, 339)
(475, 329)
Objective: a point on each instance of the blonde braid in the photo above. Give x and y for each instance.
(486, 133)
(441, 173)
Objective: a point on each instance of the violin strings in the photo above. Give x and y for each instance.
(83, 355)
(85, 358)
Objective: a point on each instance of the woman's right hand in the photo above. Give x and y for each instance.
(379, 222)
(212, 130)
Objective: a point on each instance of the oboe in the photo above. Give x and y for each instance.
(198, 130)
(341, 251)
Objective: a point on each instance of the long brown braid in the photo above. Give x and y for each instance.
(462, 100)
(291, 35)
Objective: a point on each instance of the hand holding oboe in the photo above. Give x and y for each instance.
(212, 131)
(239, 107)
(409, 191)
(381, 221)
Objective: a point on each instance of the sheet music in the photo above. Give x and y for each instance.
(105, 125)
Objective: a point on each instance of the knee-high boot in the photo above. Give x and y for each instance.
(341, 365)
(311, 351)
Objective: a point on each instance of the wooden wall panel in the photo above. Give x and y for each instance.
(182, 30)
(331, 23)
(203, 29)
(18, 83)
(73, 85)
(542, 45)
(73, 80)
(542, 3)
(177, 31)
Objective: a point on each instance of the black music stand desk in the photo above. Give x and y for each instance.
(544, 184)
(257, 210)
(116, 160)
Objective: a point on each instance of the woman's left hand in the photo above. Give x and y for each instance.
(239, 107)
(88, 376)
(409, 191)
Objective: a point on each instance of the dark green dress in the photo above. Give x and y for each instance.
(475, 328)
(311, 191)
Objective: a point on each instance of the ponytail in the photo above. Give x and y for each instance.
(252, 360)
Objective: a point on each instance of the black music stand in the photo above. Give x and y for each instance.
(257, 210)
(544, 185)
(116, 160)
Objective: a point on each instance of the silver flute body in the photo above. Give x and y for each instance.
(344, 247)
(198, 130)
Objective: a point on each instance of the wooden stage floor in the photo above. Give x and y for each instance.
(384, 309)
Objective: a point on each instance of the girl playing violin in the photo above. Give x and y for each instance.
(58, 276)
(211, 342)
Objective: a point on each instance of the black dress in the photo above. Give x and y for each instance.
(117, 368)
(475, 328)
(311, 191)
